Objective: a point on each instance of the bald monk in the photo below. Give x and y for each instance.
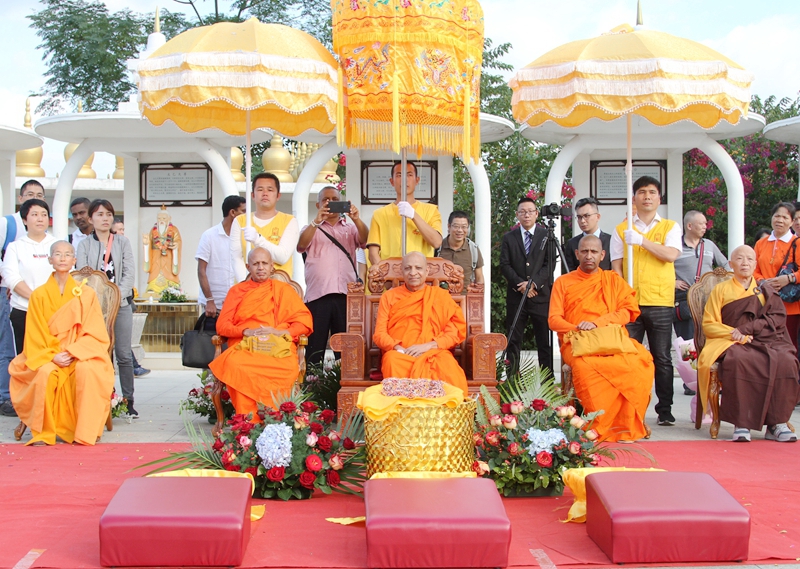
(416, 327)
(62, 381)
(620, 383)
(263, 320)
(745, 327)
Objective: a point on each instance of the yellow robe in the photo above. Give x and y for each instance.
(618, 384)
(71, 402)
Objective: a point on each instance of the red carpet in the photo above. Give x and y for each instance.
(52, 499)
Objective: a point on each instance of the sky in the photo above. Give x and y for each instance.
(759, 36)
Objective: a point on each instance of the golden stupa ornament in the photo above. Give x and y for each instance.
(29, 161)
(86, 170)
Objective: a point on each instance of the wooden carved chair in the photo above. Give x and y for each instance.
(361, 358)
(109, 296)
(218, 341)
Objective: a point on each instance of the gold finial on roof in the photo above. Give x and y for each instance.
(80, 106)
(157, 27)
(163, 207)
(639, 20)
(27, 123)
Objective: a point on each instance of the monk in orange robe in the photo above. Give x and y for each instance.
(619, 384)
(417, 325)
(260, 312)
(62, 381)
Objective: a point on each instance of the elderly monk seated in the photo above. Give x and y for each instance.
(417, 325)
(62, 381)
(745, 327)
(263, 320)
(616, 379)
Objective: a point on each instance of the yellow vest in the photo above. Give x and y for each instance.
(272, 232)
(653, 279)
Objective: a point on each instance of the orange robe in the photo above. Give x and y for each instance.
(252, 378)
(408, 318)
(618, 384)
(72, 402)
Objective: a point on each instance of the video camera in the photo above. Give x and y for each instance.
(553, 211)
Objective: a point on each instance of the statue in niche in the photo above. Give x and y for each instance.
(162, 254)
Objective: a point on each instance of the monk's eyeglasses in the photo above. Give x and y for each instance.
(63, 255)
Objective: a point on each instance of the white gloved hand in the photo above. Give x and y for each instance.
(633, 237)
(250, 234)
(406, 210)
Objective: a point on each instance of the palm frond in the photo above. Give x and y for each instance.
(492, 406)
(201, 457)
(533, 382)
(353, 427)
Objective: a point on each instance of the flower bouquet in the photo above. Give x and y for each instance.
(296, 450)
(199, 399)
(119, 405)
(173, 294)
(525, 444)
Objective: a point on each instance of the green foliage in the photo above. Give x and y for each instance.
(323, 384)
(768, 169)
(529, 383)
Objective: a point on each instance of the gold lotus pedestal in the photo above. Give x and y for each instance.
(422, 439)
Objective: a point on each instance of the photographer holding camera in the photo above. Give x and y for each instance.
(330, 244)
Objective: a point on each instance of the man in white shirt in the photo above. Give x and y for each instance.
(79, 208)
(214, 261)
(29, 190)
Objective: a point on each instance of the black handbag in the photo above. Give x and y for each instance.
(791, 292)
(196, 348)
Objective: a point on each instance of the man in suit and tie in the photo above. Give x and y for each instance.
(524, 255)
(588, 215)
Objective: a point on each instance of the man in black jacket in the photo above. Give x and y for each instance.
(588, 214)
(524, 254)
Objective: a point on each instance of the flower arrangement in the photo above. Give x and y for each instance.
(689, 353)
(119, 405)
(172, 294)
(298, 448)
(526, 443)
(199, 399)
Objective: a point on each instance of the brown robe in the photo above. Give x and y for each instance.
(759, 379)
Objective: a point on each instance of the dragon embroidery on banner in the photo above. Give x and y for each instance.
(361, 71)
(438, 69)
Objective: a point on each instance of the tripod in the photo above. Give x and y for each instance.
(553, 251)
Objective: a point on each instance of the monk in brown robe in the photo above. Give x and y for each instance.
(62, 381)
(417, 325)
(618, 383)
(745, 327)
(263, 319)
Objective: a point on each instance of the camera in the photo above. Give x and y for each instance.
(339, 207)
(551, 211)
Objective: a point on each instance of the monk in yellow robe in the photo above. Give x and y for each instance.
(263, 319)
(62, 381)
(417, 325)
(745, 327)
(618, 383)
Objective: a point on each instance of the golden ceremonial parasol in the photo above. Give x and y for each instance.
(627, 71)
(237, 77)
(409, 77)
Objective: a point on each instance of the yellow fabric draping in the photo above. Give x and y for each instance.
(377, 406)
(575, 480)
(284, 77)
(347, 521)
(653, 74)
(410, 75)
(422, 475)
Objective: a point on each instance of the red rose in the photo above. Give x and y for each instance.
(538, 404)
(307, 479)
(316, 428)
(227, 457)
(288, 407)
(477, 439)
(276, 473)
(314, 463)
(225, 396)
(333, 478)
(327, 416)
(493, 438)
(217, 446)
(262, 415)
(232, 468)
(308, 406)
(506, 408)
(324, 443)
(251, 470)
(514, 449)
(245, 428)
(544, 459)
(348, 444)
(277, 415)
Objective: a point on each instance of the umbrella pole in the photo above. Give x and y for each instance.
(629, 176)
(403, 192)
(248, 166)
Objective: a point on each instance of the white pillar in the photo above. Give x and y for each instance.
(733, 181)
(130, 206)
(64, 188)
(300, 198)
(483, 231)
(219, 166)
(8, 181)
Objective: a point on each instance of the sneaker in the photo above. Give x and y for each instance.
(741, 435)
(780, 433)
(666, 419)
(7, 409)
(132, 413)
(140, 371)
(686, 390)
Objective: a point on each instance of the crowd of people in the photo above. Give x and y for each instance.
(600, 320)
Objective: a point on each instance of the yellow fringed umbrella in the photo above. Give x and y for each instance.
(661, 77)
(409, 76)
(241, 76)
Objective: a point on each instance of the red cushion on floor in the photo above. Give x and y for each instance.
(665, 517)
(453, 522)
(176, 521)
